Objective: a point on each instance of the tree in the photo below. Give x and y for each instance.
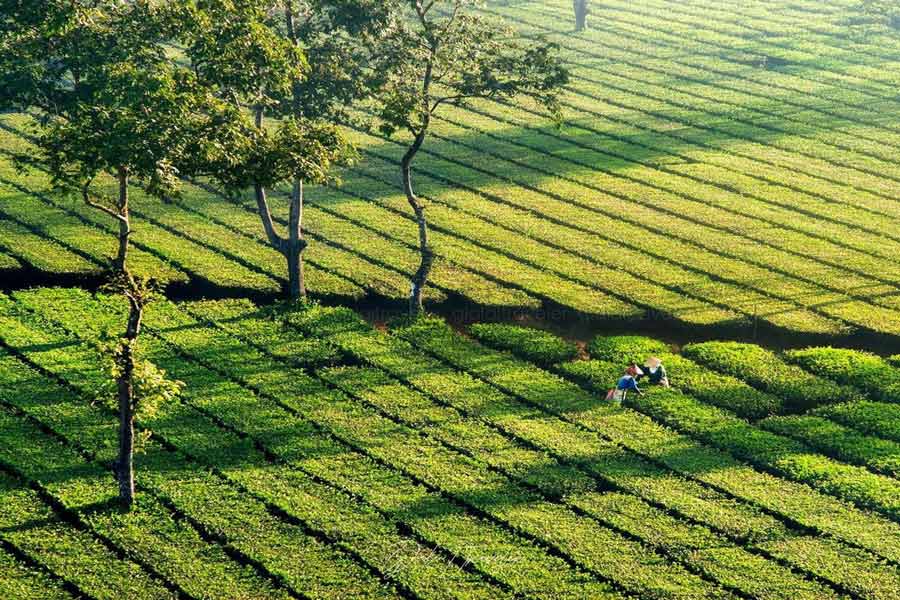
(581, 14)
(110, 106)
(254, 54)
(445, 53)
(140, 387)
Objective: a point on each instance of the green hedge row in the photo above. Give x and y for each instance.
(763, 369)
(472, 397)
(150, 535)
(693, 545)
(724, 391)
(841, 310)
(843, 443)
(70, 552)
(21, 581)
(471, 438)
(626, 348)
(873, 418)
(645, 437)
(869, 372)
(772, 452)
(532, 344)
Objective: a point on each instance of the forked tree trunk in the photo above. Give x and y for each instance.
(426, 254)
(581, 13)
(291, 247)
(125, 386)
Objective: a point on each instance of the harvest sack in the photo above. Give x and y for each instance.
(615, 395)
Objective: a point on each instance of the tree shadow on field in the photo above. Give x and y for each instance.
(538, 177)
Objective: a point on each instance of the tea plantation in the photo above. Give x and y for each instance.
(723, 167)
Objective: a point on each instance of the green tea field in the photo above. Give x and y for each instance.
(722, 192)
(719, 163)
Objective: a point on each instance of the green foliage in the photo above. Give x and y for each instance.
(864, 370)
(768, 450)
(626, 349)
(293, 148)
(532, 344)
(873, 418)
(445, 52)
(799, 390)
(110, 99)
(598, 375)
(640, 435)
(875, 16)
(152, 386)
(840, 442)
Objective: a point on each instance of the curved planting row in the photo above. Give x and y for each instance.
(847, 308)
(727, 392)
(40, 534)
(873, 418)
(821, 164)
(634, 62)
(877, 377)
(806, 50)
(696, 31)
(842, 442)
(722, 197)
(773, 452)
(285, 461)
(724, 391)
(680, 258)
(582, 540)
(719, 54)
(517, 227)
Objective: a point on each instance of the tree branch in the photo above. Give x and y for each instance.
(87, 200)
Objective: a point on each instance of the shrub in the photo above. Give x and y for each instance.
(598, 375)
(531, 344)
(840, 442)
(875, 418)
(773, 452)
(626, 348)
(764, 370)
(869, 372)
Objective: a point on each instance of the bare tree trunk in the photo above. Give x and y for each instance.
(296, 244)
(426, 255)
(581, 13)
(125, 385)
(120, 263)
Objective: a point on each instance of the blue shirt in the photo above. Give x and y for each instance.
(627, 382)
